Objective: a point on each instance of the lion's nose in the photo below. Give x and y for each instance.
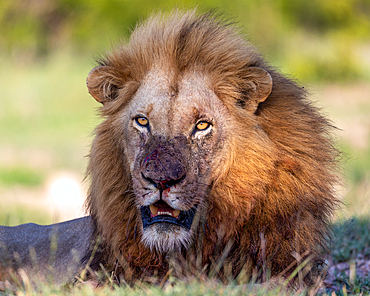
(163, 184)
(163, 168)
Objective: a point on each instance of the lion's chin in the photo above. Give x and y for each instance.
(166, 229)
(166, 237)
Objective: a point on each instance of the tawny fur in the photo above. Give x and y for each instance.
(274, 194)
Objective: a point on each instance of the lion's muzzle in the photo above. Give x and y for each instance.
(164, 168)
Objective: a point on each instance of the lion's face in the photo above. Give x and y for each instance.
(175, 138)
(178, 138)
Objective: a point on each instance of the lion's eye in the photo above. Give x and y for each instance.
(142, 121)
(202, 125)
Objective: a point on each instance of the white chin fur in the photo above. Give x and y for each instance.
(165, 237)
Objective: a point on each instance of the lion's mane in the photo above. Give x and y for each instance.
(274, 194)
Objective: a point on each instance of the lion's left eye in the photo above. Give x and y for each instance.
(142, 121)
(202, 125)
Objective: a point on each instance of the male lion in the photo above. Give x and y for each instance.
(204, 149)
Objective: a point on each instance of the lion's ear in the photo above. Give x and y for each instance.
(257, 88)
(103, 84)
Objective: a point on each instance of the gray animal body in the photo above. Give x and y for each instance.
(55, 253)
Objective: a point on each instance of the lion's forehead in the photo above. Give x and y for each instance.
(173, 102)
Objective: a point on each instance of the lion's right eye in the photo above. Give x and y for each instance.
(202, 126)
(142, 121)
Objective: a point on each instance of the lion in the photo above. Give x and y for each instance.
(205, 153)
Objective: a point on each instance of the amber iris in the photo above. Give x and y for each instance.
(142, 121)
(202, 125)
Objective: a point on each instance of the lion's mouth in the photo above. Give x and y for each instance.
(161, 212)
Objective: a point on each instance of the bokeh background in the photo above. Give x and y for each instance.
(47, 48)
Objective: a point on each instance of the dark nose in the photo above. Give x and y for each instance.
(164, 184)
(163, 167)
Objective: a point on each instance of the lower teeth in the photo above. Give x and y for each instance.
(154, 210)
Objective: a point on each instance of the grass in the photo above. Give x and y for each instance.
(359, 286)
(351, 239)
(46, 113)
(25, 176)
(194, 288)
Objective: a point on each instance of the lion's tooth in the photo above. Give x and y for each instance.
(153, 210)
(164, 213)
(157, 211)
(176, 213)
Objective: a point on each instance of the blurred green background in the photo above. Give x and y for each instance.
(47, 48)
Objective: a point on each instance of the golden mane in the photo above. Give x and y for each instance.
(273, 195)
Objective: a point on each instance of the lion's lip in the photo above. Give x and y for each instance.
(161, 212)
